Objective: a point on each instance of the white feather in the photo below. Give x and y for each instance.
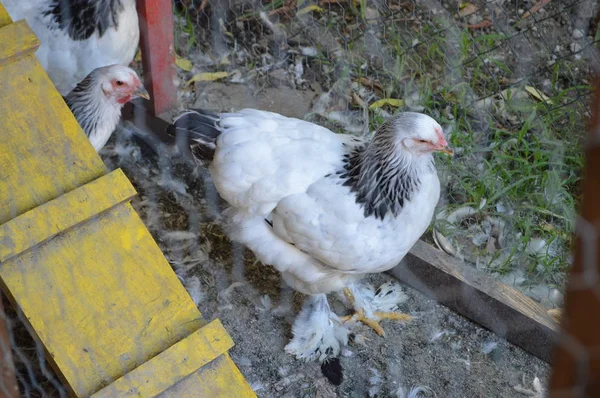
(385, 299)
(318, 333)
(67, 61)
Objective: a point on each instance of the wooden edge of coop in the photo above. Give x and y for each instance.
(481, 298)
(21, 41)
(179, 362)
(4, 17)
(46, 221)
(95, 288)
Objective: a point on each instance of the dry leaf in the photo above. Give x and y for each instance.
(467, 9)
(548, 227)
(538, 6)
(538, 94)
(138, 56)
(224, 60)
(386, 101)
(207, 77)
(183, 64)
(310, 8)
(357, 100)
(486, 23)
(371, 83)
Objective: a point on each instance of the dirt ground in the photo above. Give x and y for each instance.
(439, 351)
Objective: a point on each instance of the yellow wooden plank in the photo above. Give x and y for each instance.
(4, 17)
(172, 365)
(16, 41)
(101, 298)
(43, 151)
(218, 379)
(59, 215)
(99, 295)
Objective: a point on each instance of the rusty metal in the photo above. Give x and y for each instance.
(158, 54)
(576, 363)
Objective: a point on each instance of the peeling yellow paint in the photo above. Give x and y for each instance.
(178, 362)
(23, 42)
(4, 17)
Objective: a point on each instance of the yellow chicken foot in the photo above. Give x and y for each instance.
(349, 295)
(372, 323)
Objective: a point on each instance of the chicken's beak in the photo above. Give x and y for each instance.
(447, 150)
(141, 92)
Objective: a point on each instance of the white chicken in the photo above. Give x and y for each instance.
(97, 100)
(78, 36)
(324, 209)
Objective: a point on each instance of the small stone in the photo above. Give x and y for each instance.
(577, 34)
(371, 15)
(474, 19)
(556, 297)
(347, 353)
(575, 47)
(309, 51)
(536, 246)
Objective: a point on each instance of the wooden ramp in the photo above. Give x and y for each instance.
(76, 258)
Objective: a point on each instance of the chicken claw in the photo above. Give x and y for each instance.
(372, 323)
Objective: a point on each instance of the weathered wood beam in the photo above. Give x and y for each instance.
(481, 298)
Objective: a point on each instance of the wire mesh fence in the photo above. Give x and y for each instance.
(509, 81)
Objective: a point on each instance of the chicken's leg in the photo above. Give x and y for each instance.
(318, 332)
(376, 316)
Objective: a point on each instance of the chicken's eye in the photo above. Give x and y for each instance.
(422, 141)
(119, 83)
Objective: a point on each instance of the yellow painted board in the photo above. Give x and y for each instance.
(220, 378)
(23, 41)
(99, 293)
(4, 17)
(43, 151)
(44, 222)
(101, 298)
(172, 365)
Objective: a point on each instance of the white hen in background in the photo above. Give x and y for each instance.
(78, 36)
(97, 100)
(324, 209)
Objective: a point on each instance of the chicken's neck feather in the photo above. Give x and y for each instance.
(90, 106)
(383, 176)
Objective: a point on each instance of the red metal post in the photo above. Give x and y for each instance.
(158, 54)
(576, 363)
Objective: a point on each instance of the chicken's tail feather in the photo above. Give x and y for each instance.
(198, 130)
